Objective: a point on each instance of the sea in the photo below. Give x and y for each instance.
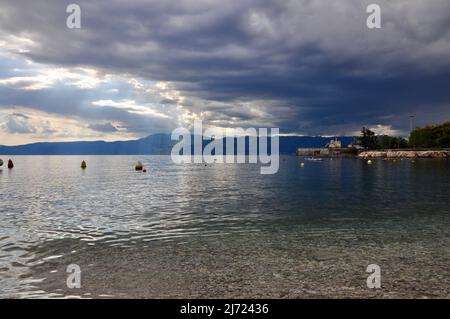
(223, 230)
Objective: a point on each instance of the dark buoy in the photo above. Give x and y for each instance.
(10, 164)
(139, 166)
(83, 165)
(144, 170)
(1, 162)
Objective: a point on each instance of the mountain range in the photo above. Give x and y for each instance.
(157, 144)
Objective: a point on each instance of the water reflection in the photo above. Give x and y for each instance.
(52, 211)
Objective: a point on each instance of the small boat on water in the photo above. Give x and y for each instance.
(313, 159)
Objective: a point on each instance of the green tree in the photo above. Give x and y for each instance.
(402, 143)
(433, 136)
(368, 140)
(392, 142)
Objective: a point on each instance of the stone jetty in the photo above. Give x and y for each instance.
(405, 154)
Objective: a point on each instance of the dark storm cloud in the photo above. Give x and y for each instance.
(311, 66)
(75, 103)
(103, 127)
(21, 115)
(168, 101)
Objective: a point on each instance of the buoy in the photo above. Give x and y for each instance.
(1, 162)
(302, 164)
(10, 164)
(369, 162)
(139, 166)
(83, 165)
(144, 170)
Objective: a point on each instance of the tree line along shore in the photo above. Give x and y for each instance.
(431, 141)
(430, 137)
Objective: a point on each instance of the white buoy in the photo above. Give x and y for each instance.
(369, 162)
(302, 164)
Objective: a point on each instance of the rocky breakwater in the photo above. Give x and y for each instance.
(404, 154)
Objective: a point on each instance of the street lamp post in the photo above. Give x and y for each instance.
(411, 119)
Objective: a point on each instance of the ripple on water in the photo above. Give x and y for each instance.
(52, 210)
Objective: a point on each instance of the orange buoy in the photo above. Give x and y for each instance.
(139, 166)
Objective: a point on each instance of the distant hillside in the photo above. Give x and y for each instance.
(151, 145)
(154, 144)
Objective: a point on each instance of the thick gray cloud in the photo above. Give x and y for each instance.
(17, 124)
(75, 103)
(307, 66)
(103, 127)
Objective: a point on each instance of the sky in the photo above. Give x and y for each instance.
(140, 67)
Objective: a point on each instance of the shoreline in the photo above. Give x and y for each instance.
(405, 154)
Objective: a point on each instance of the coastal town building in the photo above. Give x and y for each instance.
(332, 148)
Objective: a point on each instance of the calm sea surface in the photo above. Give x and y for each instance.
(223, 230)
